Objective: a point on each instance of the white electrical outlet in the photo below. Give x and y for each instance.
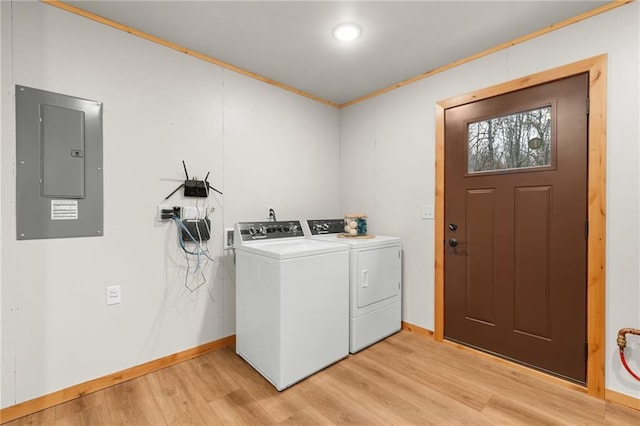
(269, 208)
(113, 295)
(428, 211)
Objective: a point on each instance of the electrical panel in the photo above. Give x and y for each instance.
(59, 171)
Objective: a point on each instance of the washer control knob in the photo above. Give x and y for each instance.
(325, 226)
(294, 228)
(263, 230)
(252, 231)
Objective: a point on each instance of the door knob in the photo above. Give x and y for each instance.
(453, 242)
(453, 226)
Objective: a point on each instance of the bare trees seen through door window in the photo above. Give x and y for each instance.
(511, 141)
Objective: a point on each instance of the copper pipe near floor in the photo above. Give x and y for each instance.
(622, 343)
(622, 336)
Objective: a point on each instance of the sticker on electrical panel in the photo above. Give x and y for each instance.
(64, 209)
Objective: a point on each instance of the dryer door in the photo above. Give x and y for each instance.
(378, 274)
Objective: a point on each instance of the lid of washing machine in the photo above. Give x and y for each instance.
(292, 248)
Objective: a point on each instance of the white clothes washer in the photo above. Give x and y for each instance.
(375, 276)
(292, 301)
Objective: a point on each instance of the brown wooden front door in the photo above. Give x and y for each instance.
(515, 226)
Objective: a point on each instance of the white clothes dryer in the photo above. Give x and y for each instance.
(292, 301)
(375, 277)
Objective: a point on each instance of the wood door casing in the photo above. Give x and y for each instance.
(516, 283)
(596, 243)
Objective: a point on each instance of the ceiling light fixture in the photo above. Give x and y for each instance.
(347, 31)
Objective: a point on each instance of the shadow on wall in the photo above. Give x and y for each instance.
(220, 317)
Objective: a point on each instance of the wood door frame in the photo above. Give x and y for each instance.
(596, 169)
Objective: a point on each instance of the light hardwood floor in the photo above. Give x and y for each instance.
(404, 380)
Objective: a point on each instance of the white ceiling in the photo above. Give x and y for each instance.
(290, 41)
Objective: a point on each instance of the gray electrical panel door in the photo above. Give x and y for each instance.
(59, 180)
(62, 152)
